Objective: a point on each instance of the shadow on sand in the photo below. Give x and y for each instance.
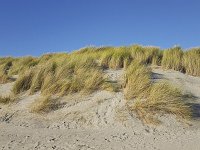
(191, 100)
(155, 76)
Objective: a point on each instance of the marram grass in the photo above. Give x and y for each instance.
(5, 99)
(5, 65)
(43, 105)
(83, 72)
(162, 98)
(73, 76)
(24, 82)
(172, 59)
(20, 65)
(147, 98)
(137, 81)
(191, 62)
(109, 57)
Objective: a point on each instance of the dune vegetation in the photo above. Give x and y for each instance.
(4, 100)
(83, 71)
(111, 57)
(172, 59)
(191, 62)
(44, 105)
(7, 99)
(5, 65)
(147, 98)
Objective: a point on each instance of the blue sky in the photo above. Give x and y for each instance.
(34, 27)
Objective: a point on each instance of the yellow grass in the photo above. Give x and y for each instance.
(77, 80)
(121, 58)
(39, 75)
(191, 62)
(5, 65)
(137, 80)
(4, 79)
(24, 82)
(162, 98)
(5, 99)
(22, 64)
(148, 99)
(172, 59)
(145, 55)
(83, 71)
(43, 105)
(75, 74)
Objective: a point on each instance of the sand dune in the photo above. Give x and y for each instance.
(98, 121)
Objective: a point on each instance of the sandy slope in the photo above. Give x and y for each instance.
(98, 121)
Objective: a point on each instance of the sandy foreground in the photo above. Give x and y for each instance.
(99, 121)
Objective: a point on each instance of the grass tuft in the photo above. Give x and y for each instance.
(147, 98)
(5, 65)
(162, 98)
(7, 99)
(43, 105)
(145, 55)
(191, 62)
(22, 64)
(24, 82)
(39, 75)
(4, 79)
(172, 59)
(137, 81)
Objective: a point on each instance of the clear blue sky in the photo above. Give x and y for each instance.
(34, 27)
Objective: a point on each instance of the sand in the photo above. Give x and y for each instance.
(99, 121)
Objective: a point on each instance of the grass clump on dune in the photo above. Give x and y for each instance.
(43, 105)
(115, 58)
(106, 56)
(172, 59)
(4, 79)
(147, 98)
(145, 55)
(52, 57)
(191, 62)
(39, 75)
(86, 50)
(120, 58)
(5, 99)
(22, 64)
(71, 76)
(5, 65)
(162, 98)
(76, 76)
(137, 80)
(33, 79)
(24, 82)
